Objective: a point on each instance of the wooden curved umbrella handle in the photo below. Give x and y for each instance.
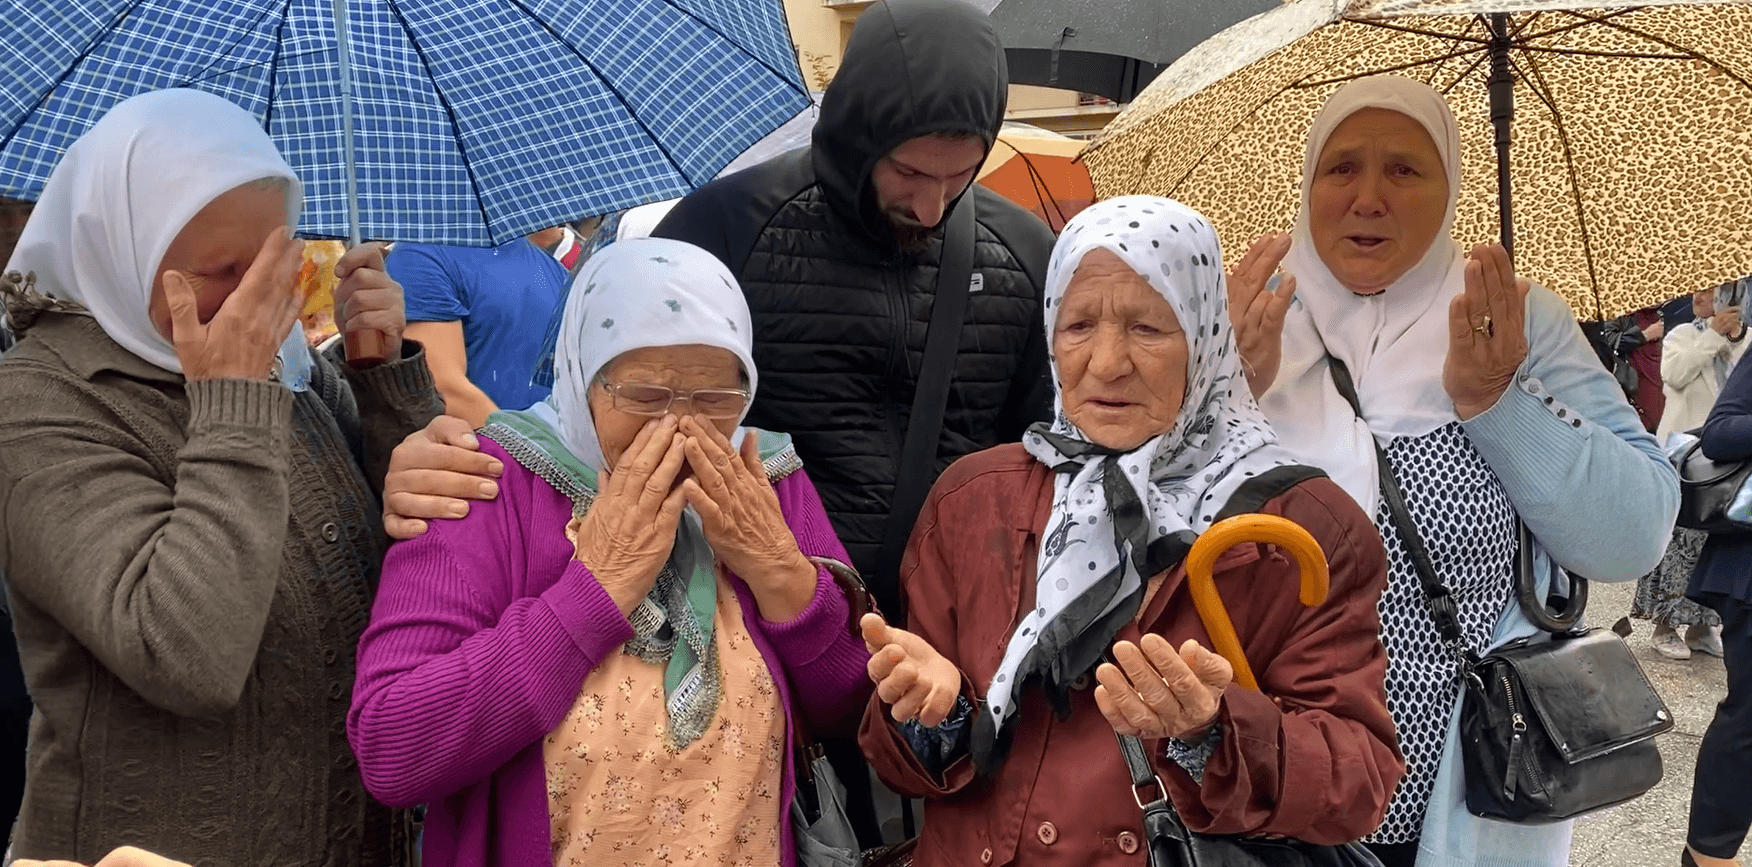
(1239, 530)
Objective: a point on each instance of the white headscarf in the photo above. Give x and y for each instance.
(125, 190)
(664, 293)
(1103, 541)
(1394, 342)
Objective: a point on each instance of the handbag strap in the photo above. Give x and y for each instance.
(1440, 602)
(1437, 598)
(924, 429)
(1137, 762)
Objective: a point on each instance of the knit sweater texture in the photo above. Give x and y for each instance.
(190, 567)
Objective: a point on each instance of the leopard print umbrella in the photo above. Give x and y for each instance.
(1631, 157)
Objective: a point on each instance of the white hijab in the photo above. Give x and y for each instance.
(1091, 566)
(634, 294)
(125, 190)
(1394, 342)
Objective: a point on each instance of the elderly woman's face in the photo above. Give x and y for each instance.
(1379, 195)
(681, 368)
(1121, 354)
(217, 247)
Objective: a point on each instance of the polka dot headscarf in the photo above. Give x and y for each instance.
(1090, 571)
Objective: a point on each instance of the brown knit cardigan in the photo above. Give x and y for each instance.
(190, 566)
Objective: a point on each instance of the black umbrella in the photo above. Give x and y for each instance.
(1112, 48)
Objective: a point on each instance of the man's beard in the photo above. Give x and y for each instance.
(910, 235)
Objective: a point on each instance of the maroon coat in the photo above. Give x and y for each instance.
(1317, 760)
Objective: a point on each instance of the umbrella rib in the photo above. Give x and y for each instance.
(1396, 68)
(274, 65)
(1215, 142)
(1687, 52)
(450, 113)
(1536, 82)
(1440, 68)
(210, 72)
(1470, 67)
(1445, 37)
(107, 29)
(1584, 21)
(744, 49)
(1041, 190)
(621, 97)
(1582, 52)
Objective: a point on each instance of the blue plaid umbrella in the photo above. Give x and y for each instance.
(468, 122)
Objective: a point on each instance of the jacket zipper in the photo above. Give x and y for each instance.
(894, 291)
(1520, 757)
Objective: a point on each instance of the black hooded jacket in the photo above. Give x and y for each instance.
(840, 312)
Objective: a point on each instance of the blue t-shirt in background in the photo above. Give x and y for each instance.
(504, 297)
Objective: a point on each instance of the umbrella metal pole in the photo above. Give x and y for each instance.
(1502, 118)
(345, 74)
(364, 348)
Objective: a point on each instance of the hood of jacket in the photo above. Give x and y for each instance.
(911, 68)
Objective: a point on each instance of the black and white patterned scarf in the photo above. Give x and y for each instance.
(1120, 517)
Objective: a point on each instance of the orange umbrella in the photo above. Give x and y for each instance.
(1041, 173)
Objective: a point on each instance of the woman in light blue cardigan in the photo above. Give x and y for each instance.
(1490, 406)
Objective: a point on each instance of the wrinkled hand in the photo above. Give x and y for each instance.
(245, 335)
(433, 474)
(630, 529)
(126, 856)
(1156, 692)
(910, 675)
(1482, 360)
(1258, 313)
(1726, 321)
(740, 515)
(368, 299)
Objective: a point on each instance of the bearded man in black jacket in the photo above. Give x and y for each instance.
(837, 247)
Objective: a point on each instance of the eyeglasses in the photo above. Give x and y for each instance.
(643, 398)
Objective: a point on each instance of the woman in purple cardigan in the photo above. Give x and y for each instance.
(610, 661)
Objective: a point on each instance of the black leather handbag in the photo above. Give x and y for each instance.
(1714, 497)
(1172, 844)
(1552, 726)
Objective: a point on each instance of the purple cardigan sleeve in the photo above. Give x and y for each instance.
(458, 670)
(823, 657)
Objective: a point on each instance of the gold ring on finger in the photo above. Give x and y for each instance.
(1486, 327)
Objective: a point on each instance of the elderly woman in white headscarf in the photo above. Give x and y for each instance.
(1491, 409)
(609, 662)
(1033, 562)
(191, 501)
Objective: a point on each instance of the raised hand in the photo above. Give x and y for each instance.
(630, 530)
(1487, 333)
(367, 299)
(1258, 313)
(1726, 321)
(1157, 692)
(910, 675)
(740, 515)
(244, 336)
(433, 474)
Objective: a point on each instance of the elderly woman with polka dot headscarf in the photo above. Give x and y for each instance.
(1035, 562)
(1491, 410)
(608, 663)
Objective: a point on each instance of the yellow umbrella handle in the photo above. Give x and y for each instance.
(1239, 530)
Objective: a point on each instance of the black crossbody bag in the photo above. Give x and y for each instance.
(1554, 725)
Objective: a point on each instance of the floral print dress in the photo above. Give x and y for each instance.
(621, 793)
